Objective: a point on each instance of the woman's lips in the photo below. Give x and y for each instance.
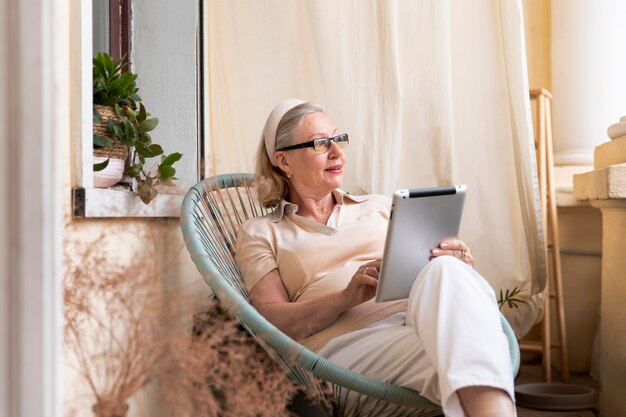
(337, 169)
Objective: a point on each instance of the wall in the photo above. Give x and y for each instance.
(164, 56)
(537, 16)
(580, 231)
(579, 225)
(587, 75)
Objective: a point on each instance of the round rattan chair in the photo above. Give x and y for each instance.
(211, 214)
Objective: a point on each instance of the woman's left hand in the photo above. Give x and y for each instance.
(453, 247)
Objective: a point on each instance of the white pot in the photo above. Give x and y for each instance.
(110, 175)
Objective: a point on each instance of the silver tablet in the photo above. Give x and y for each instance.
(419, 220)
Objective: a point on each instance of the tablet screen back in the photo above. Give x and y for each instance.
(420, 219)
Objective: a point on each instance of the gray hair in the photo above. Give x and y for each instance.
(272, 182)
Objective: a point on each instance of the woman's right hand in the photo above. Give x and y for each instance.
(362, 286)
(300, 319)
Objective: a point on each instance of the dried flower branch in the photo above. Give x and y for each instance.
(124, 331)
(260, 387)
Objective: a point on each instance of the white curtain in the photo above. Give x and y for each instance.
(431, 92)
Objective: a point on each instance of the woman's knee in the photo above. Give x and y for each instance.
(450, 272)
(442, 266)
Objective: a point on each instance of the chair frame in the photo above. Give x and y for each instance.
(210, 234)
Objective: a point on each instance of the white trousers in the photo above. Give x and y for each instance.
(450, 338)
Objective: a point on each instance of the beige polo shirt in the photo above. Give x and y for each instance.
(314, 259)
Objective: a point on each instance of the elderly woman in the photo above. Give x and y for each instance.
(311, 268)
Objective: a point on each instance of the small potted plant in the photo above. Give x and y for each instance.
(121, 122)
(132, 130)
(111, 86)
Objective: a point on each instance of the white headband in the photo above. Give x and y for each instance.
(269, 132)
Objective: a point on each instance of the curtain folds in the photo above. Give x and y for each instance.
(432, 92)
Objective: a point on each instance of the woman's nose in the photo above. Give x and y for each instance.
(335, 151)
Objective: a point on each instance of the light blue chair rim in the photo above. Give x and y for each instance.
(302, 357)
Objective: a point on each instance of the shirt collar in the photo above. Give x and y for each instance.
(286, 208)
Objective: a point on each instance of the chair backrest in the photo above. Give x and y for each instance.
(224, 203)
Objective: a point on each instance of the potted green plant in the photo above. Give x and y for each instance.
(123, 122)
(111, 86)
(132, 130)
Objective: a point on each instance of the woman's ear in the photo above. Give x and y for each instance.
(282, 161)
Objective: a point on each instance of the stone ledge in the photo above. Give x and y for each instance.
(610, 153)
(609, 204)
(601, 184)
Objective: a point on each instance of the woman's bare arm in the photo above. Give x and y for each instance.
(303, 318)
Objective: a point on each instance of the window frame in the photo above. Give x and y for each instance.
(119, 29)
(91, 202)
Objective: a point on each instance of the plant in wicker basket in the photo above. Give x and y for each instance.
(105, 145)
(122, 123)
(111, 86)
(132, 130)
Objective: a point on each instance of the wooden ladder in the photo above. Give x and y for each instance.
(554, 282)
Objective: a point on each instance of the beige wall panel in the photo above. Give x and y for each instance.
(537, 26)
(580, 230)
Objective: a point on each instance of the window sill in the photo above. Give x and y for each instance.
(107, 203)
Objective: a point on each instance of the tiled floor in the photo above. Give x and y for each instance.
(531, 372)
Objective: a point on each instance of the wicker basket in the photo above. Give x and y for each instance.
(118, 150)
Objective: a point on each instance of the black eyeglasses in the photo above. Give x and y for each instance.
(320, 145)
